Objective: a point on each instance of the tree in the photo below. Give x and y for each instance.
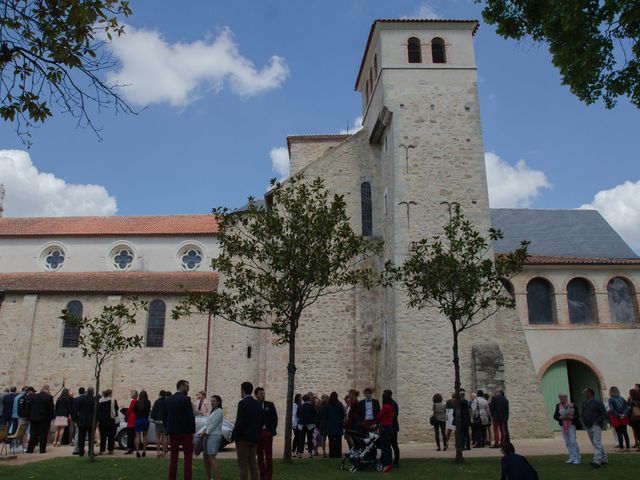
(103, 337)
(51, 53)
(278, 261)
(594, 44)
(455, 274)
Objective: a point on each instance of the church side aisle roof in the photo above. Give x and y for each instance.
(581, 234)
(110, 282)
(160, 225)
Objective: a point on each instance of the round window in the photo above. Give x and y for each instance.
(191, 258)
(122, 258)
(52, 258)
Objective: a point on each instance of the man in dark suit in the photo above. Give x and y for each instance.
(84, 418)
(268, 431)
(40, 416)
(247, 432)
(499, 409)
(369, 409)
(396, 429)
(180, 424)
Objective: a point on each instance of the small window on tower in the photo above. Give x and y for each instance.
(437, 51)
(375, 64)
(413, 49)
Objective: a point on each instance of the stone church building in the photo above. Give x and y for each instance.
(421, 148)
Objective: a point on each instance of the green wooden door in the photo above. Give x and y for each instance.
(554, 381)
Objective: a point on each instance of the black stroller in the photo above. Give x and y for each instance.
(363, 452)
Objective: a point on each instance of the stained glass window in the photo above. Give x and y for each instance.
(582, 302)
(622, 301)
(191, 259)
(540, 302)
(155, 323)
(54, 259)
(71, 333)
(122, 258)
(413, 50)
(367, 213)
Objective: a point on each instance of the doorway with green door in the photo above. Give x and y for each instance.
(567, 376)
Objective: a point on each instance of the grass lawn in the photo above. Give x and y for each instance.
(621, 467)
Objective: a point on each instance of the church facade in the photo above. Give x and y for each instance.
(419, 151)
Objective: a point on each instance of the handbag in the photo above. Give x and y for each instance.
(432, 420)
(197, 444)
(635, 414)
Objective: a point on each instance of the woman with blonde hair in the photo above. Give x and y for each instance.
(618, 415)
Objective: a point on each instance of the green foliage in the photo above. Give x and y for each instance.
(594, 44)
(104, 336)
(51, 52)
(279, 260)
(456, 274)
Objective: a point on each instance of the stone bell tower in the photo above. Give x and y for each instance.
(420, 106)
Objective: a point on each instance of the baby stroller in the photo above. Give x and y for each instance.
(363, 452)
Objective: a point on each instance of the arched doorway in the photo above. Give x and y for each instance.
(567, 376)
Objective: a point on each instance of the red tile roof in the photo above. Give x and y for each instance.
(552, 260)
(165, 225)
(406, 20)
(109, 282)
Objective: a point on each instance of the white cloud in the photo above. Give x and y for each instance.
(30, 192)
(280, 160)
(512, 187)
(620, 206)
(357, 126)
(155, 71)
(424, 10)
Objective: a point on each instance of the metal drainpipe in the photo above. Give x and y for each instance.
(206, 365)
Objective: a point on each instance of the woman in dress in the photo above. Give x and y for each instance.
(618, 417)
(142, 409)
(439, 415)
(64, 404)
(130, 417)
(212, 438)
(450, 407)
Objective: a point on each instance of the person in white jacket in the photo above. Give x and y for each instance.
(212, 438)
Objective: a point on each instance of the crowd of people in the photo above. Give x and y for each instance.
(316, 421)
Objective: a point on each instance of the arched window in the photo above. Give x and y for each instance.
(622, 301)
(155, 324)
(508, 286)
(413, 50)
(540, 302)
(582, 301)
(437, 51)
(71, 333)
(367, 214)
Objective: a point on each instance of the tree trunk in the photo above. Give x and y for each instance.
(94, 420)
(456, 389)
(291, 374)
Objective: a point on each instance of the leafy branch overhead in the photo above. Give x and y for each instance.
(594, 44)
(51, 56)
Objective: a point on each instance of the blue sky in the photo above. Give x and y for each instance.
(221, 84)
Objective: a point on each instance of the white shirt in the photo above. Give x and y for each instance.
(368, 409)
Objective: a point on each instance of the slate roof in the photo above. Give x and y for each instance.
(158, 225)
(582, 234)
(109, 282)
